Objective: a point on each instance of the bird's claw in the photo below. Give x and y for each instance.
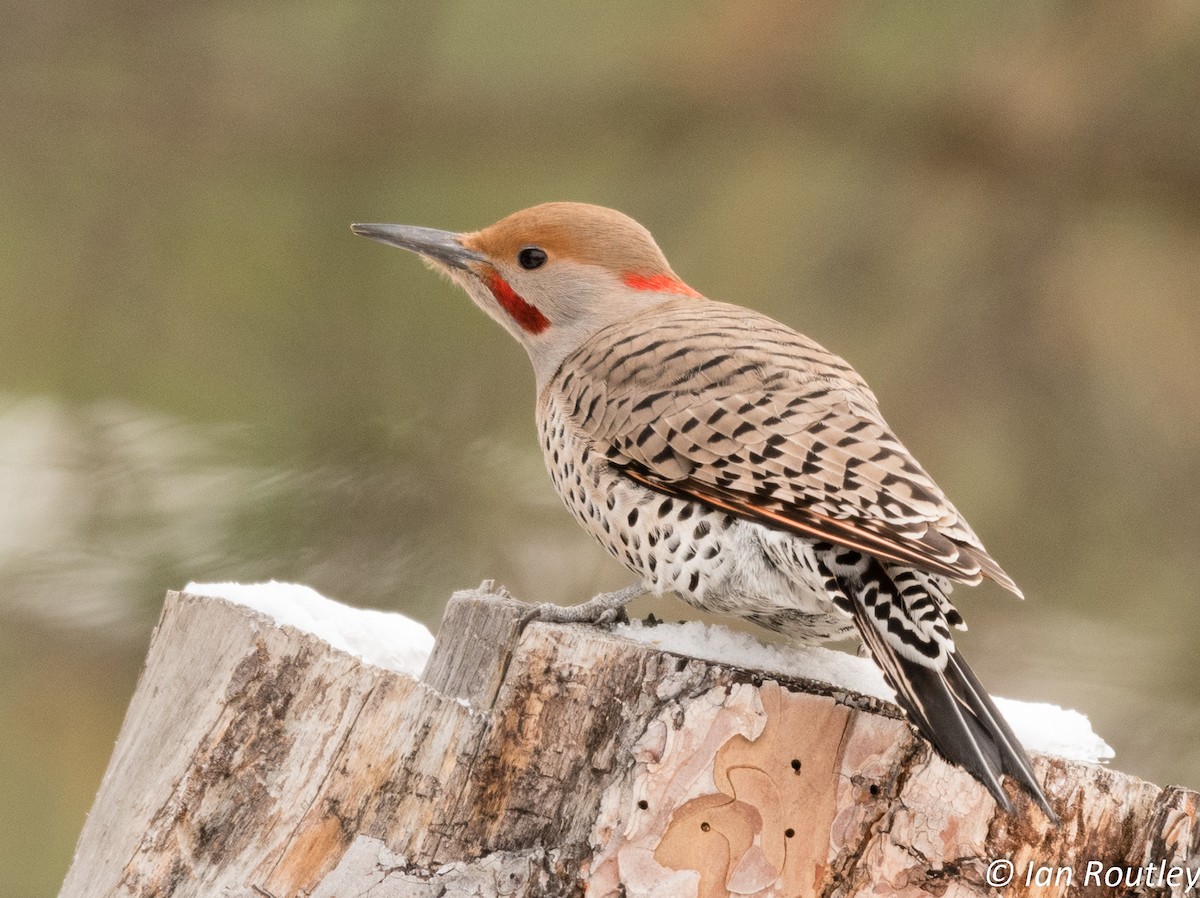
(606, 608)
(613, 616)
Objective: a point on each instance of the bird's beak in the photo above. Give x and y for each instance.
(440, 246)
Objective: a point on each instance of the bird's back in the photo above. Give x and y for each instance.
(731, 407)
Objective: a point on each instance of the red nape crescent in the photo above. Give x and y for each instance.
(658, 283)
(527, 316)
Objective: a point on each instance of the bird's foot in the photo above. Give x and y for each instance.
(606, 608)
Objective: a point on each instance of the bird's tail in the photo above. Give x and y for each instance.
(937, 689)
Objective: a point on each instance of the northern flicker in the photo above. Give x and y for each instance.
(722, 455)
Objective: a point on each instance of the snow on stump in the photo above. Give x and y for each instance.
(281, 745)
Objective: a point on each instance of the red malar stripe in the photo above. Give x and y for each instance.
(658, 283)
(528, 317)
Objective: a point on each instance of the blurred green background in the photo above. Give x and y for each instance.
(992, 209)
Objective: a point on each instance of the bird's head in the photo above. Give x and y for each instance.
(553, 275)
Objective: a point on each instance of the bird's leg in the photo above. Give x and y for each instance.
(606, 608)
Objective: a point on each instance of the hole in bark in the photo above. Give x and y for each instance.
(874, 789)
(796, 764)
(704, 827)
(643, 804)
(789, 832)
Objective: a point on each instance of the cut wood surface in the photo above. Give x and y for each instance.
(256, 760)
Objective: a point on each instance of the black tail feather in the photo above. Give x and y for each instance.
(1014, 761)
(953, 712)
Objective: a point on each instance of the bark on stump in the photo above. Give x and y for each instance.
(256, 760)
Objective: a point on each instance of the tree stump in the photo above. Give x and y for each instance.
(257, 760)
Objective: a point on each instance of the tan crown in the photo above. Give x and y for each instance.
(591, 235)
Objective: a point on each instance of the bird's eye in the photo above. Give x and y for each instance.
(531, 257)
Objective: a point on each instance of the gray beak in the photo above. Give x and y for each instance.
(440, 246)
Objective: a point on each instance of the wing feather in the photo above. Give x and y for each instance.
(776, 430)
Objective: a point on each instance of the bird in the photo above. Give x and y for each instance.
(720, 454)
